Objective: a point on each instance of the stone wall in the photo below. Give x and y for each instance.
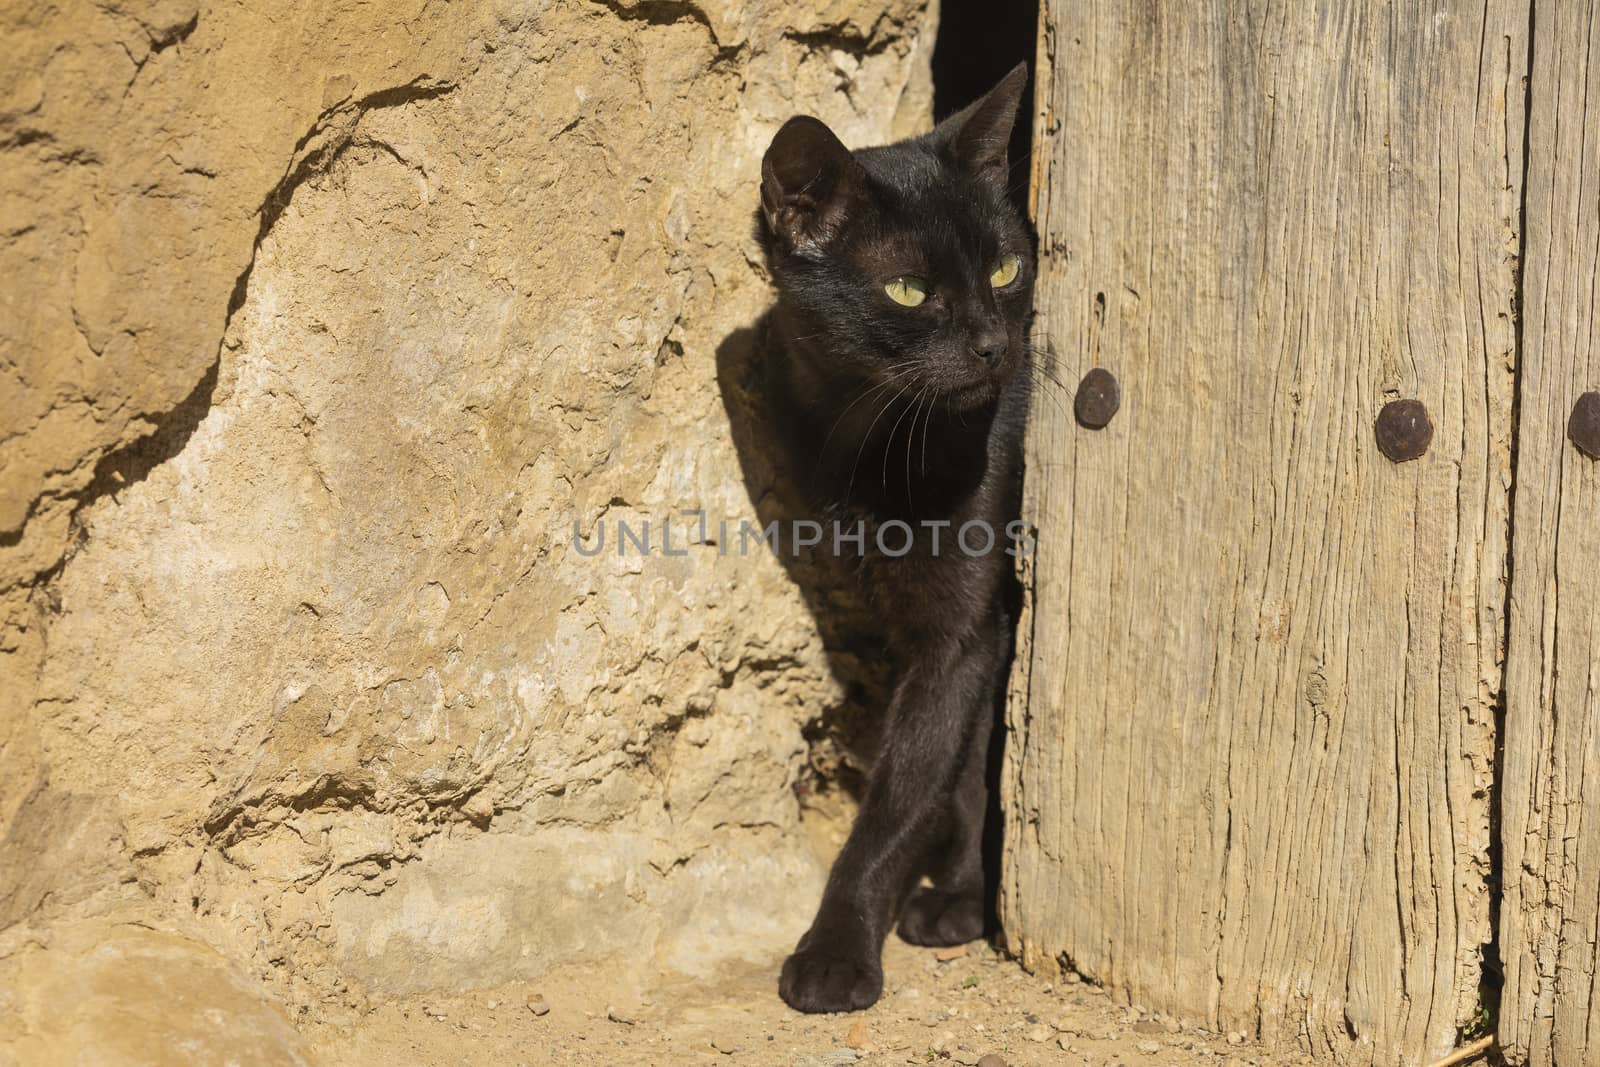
(332, 320)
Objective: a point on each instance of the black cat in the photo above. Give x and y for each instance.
(900, 377)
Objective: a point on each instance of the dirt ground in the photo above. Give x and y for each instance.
(977, 1008)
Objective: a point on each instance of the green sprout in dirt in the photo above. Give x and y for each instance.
(1481, 1023)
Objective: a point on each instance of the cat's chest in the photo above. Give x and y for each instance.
(930, 573)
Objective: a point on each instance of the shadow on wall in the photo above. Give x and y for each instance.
(842, 738)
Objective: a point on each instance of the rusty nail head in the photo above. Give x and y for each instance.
(1584, 426)
(1099, 397)
(1404, 430)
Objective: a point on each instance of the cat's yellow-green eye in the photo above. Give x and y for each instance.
(906, 290)
(1006, 272)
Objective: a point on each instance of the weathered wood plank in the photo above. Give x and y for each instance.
(1550, 917)
(1253, 715)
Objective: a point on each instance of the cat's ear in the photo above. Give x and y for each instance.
(976, 136)
(808, 179)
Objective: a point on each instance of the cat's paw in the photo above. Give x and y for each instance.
(824, 978)
(936, 918)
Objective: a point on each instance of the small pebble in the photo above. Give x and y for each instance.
(857, 1036)
(1236, 1037)
(1037, 1032)
(537, 1004)
(991, 1060)
(616, 1015)
(945, 955)
(1149, 1048)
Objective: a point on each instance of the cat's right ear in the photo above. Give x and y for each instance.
(808, 179)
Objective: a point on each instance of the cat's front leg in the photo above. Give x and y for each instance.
(933, 719)
(951, 910)
(954, 909)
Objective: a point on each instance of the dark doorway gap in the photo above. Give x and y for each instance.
(977, 44)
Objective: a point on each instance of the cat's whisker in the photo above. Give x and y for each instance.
(866, 437)
(1061, 409)
(1043, 358)
(1039, 374)
(1055, 399)
(932, 404)
(1046, 374)
(911, 437)
(902, 369)
(888, 445)
(1044, 355)
(1050, 394)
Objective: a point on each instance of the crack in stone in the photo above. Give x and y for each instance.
(132, 463)
(307, 161)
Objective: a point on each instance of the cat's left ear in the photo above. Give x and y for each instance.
(976, 136)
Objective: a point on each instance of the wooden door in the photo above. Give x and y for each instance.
(1550, 788)
(1253, 718)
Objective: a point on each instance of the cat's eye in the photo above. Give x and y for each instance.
(1006, 272)
(906, 290)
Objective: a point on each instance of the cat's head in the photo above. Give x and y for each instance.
(907, 261)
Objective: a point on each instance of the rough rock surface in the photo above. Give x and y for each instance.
(118, 992)
(333, 320)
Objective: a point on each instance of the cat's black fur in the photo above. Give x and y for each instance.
(887, 412)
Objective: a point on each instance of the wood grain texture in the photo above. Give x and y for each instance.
(1253, 715)
(1550, 916)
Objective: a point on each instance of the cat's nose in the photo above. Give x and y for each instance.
(988, 345)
